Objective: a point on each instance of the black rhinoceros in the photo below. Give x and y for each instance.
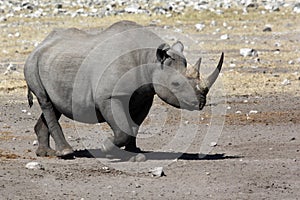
(109, 76)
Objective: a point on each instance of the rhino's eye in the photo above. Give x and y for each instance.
(176, 84)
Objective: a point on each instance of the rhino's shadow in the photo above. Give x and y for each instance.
(150, 155)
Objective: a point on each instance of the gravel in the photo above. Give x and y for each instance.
(100, 8)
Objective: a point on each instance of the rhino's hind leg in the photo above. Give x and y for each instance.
(43, 135)
(61, 145)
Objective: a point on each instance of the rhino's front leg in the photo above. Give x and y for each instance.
(125, 130)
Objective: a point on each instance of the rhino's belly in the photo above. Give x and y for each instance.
(74, 102)
(79, 111)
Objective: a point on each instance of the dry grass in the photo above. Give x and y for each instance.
(244, 28)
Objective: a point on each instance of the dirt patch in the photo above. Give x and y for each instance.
(256, 156)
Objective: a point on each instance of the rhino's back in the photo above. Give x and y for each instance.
(62, 53)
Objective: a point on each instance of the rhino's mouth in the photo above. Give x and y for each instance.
(191, 106)
(199, 105)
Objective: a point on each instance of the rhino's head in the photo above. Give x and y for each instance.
(178, 84)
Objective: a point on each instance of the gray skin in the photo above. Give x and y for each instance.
(109, 76)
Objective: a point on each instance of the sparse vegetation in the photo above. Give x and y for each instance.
(243, 30)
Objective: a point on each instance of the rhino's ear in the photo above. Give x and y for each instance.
(161, 52)
(178, 46)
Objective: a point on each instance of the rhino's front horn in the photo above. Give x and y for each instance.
(213, 77)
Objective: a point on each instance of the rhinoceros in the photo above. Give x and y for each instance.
(109, 76)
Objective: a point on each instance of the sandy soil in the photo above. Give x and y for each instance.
(257, 155)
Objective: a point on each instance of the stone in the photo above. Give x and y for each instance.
(132, 8)
(200, 26)
(296, 8)
(35, 143)
(34, 165)
(248, 52)
(213, 144)
(286, 82)
(17, 34)
(3, 19)
(267, 29)
(157, 171)
(224, 37)
(253, 112)
(59, 6)
(291, 62)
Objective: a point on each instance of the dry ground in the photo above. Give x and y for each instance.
(257, 155)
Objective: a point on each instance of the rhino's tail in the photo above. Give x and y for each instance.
(30, 97)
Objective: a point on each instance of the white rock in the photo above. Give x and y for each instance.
(224, 37)
(3, 19)
(35, 143)
(253, 112)
(219, 12)
(132, 9)
(200, 26)
(238, 112)
(157, 171)
(277, 44)
(291, 62)
(11, 67)
(277, 51)
(248, 52)
(213, 144)
(297, 8)
(34, 165)
(213, 23)
(286, 82)
(232, 65)
(17, 34)
(109, 187)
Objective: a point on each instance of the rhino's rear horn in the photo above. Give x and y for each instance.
(197, 66)
(213, 77)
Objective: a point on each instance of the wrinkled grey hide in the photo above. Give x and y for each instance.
(110, 77)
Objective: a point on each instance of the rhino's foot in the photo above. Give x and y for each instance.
(126, 157)
(65, 152)
(129, 154)
(45, 152)
(138, 158)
